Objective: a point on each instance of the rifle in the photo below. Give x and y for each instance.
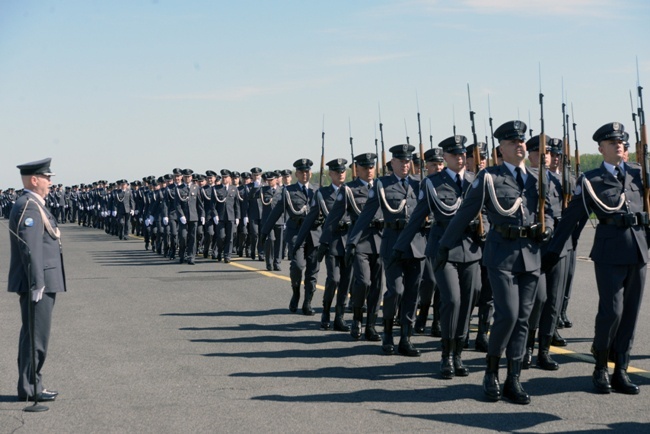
(477, 161)
(408, 142)
(494, 149)
(566, 155)
(322, 156)
(575, 139)
(354, 169)
(643, 134)
(453, 118)
(376, 146)
(420, 135)
(542, 159)
(430, 134)
(637, 144)
(383, 151)
(530, 130)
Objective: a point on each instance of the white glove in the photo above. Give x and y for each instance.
(140, 219)
(202, 220)
(81, 208)
(245, 221)
(131, 212)
(37, 294)
(165, 221)
(114, 213)
(183, 220)
(236, 222)
(215, 219)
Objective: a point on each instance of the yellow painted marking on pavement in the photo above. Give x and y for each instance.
(267, 273)
(590, 359)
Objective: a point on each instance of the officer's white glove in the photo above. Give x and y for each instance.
(140, 219)
(202, 220)
(131, 212)
(236, 222)
(215, 219)
(114, 213)
(245, 221)
(37, 294)
(81, 208)
(165, 221)
(183, 220)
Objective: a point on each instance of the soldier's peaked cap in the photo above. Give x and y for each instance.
(402, 152)
(610, 131)
(303, 164)
(511, 130)
(40, 167)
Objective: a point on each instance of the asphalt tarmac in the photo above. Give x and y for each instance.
(143, 344)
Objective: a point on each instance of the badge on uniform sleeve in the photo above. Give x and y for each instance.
(339, 197)
(29, 222)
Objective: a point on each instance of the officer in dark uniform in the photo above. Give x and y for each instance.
(551, 283)
(74, 204)
(270, 195)
(396, 196)
(241, 231)
(226, 202)
(189, 209)
(614, 192)
(254, 216)
(35, 274)
(338, 273)
(172, 216)
(159, 212)
(458, 281)
(295, 202)
(123, 206)
(511, 255)
(428, 294)
(210, 210)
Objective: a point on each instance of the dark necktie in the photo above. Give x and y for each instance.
(520, 179)
(459, 182)
(619, 174)
(304, 191)
(404, 184)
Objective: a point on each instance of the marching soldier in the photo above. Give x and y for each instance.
(295, 202)
(123, 206)
(254, 216)
(172, 215)
(226, 199)
(613, 192)
(270, 195)
(396, 196)
(189, 210)
(338, 273)
(210, 227)
(511, 255)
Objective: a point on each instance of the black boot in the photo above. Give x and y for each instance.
(544, 360)
(421, 320)
(325, 316)
(563, 317)
(405, 346)
(459, 369)
(339, 324)
(481, 342)
(436, 331)
(371, 333)
(306, 305)
(600, 377)
(620, 381)
(557, 340)
(357, 317)
(491, 386)
(446, 362)
(530, 346)
(512, 387)
(295, 298)
(387, 343)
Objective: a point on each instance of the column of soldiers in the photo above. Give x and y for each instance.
(464, 236)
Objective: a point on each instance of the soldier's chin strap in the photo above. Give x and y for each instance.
(382, 196)
(443, 208)
(489, 184)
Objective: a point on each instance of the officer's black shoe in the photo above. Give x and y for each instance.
(306, 308)
(621, 383)
(512, 387)
(557, 340)
(565, 320)
(181, 259)
(325, 318)
(269, 267)
(405, 347)
(205, 255)
(339, 323)
(213, 256)
(421, 320)
(371, 333)
(387, 343)
(481, 342)
(436, 332)
(559, 325)
(491, 386)
(260, 258)
(226, 260)
(355, 330)
(191, 262)
(295, 298)
(146, 246)
(459, 369)
(446, 363)
(277, 268)
(44, 396)
(544, 360)
(600, 377)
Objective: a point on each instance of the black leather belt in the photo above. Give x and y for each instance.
(513, 232)
(397, 224)
(625, 220)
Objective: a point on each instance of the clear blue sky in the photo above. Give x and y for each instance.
(125, 89)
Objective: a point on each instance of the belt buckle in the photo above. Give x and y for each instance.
(523, 231)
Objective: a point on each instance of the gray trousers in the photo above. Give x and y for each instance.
(42, 324)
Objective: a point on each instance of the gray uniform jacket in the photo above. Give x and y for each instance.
(39, 252)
